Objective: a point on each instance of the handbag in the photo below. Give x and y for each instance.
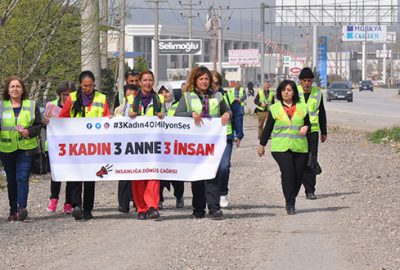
(41, 163)
(313, 166)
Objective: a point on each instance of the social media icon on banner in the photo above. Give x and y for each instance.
(106, 125)
(98, 125)
(89, 125)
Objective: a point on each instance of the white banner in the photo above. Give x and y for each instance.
(245, 57)
(102, 149)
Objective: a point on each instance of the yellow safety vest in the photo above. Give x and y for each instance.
(231, 94)
(263, 99)
(10, 139)
(285, 134)
(229, 128)
(172, 108)
(194, 104)
(97, 108)
(313, 102)
(150, 108)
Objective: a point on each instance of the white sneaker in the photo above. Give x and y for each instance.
(223, 201)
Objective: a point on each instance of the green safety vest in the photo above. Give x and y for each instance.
(172, 108)
(231, 94)
(96, 109)
(55, 102)
(194, 104)
(10, 139)
(150, 107)
(285, 134)
(229, 128)
(313, 103)
(264, 99)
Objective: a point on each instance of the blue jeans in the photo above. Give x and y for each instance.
(18, 166)
(224, 169)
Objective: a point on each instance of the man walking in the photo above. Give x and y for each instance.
(312, 96)
(264, 99)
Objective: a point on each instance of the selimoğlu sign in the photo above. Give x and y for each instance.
(179, 46)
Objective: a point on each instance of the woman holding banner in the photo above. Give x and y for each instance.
(20, 123)
(53, 108)
(124, 186)
(202, 102)
(146, 193)
(85, 102)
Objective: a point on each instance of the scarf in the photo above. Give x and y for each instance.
(142, 101)
(205, 112)
(87, 99)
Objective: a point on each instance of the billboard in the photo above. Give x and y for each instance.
(244, 57)
(375, 33)
(179, 46)
(322, 61)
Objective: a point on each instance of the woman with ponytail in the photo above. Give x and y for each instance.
(85, 102)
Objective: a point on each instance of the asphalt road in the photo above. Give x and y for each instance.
(368, 111)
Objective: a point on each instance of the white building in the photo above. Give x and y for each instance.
(138, 39)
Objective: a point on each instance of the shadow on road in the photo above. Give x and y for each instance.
(336, 194)
(326, 209)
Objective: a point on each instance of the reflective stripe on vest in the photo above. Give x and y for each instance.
(10, 138)
(263, 99)
(96, 109)
(285, 134)
(313, 102)
(194, 104)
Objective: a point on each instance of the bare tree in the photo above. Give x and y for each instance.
(10, 6)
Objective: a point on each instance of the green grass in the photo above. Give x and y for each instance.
(386, 135)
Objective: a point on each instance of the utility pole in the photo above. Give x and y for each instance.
(262, 42)
(219, 43)
(121, 54)
(156, 38)
(315, 47)
(190, 35)
(90, 41)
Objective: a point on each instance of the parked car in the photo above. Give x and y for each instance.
(339, 90)
(366, 85)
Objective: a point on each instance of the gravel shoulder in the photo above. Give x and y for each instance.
(353, 224)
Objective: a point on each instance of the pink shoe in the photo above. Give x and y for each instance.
(67, 209)
(52, 205)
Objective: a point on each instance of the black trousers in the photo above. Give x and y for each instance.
(199, 196)
(55, 188)
(88, 195)
(205, 192)
(310, 179)
(177, 185)
(124, 194)
(292, 166)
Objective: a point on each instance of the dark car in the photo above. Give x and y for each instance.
(339, 90)
(366, 85)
